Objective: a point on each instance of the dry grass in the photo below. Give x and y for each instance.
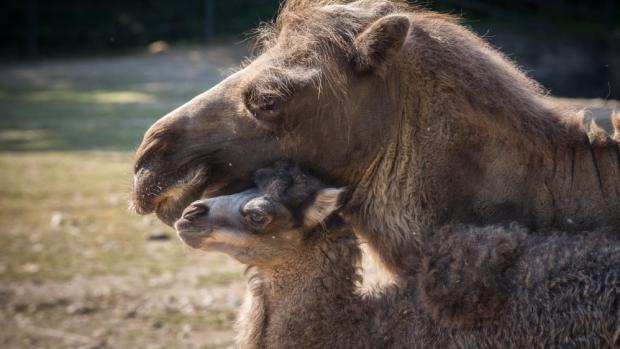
(76, 268)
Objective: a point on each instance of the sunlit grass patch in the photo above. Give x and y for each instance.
(94, 96)
(60, 125)
(26, 139)
(65, 214)
(58, 210)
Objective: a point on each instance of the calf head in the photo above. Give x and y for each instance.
(265, 225)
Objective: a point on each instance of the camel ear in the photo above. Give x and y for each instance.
(380, 42)
(325, 203)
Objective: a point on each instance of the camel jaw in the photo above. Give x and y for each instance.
(166, 197)
(168, 201)
(170, 208)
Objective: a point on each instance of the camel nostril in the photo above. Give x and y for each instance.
(195, 210)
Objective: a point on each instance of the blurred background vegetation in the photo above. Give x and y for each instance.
(33, 26)
(535, 33)
(81, 82)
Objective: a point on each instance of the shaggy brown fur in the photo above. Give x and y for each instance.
(466, 278)
(552, 290)
(423, 121)
(556, 291)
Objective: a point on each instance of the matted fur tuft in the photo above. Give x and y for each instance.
(253, 314)
(615, 121)
(575, 122)
(465, 273)
(598, 136)
(287, 183)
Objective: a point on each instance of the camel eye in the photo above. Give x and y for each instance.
(267, 103)
(265, 107)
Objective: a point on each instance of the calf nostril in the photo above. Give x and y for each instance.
(195, 210)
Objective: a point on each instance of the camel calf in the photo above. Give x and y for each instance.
(521, 290)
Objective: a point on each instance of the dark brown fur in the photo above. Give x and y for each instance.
(475, 287)
(555, 291)
(425, 122)
(466, 278)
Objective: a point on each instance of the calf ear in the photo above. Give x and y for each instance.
(325, 203)
(376, 45)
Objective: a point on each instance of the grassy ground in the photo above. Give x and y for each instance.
(76, 267)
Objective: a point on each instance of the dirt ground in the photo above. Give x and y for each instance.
(77, 269)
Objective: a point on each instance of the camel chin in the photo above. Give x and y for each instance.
(170, 209)
(168, 196)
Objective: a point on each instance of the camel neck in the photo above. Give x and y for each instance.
(465, 173)
(583, 185)
(312, 295)
(317, 304)
(328, 267)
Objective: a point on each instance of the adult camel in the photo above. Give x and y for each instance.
(422, 120)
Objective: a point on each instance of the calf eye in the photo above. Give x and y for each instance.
(257, 218)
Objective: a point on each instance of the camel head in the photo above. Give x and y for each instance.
(264, 225)
(316, 92)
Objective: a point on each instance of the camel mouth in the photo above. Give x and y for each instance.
(191, 234)
(167, 201)
(194, 239)
(166, 196)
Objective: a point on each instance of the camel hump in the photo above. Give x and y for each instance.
(465, 273)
